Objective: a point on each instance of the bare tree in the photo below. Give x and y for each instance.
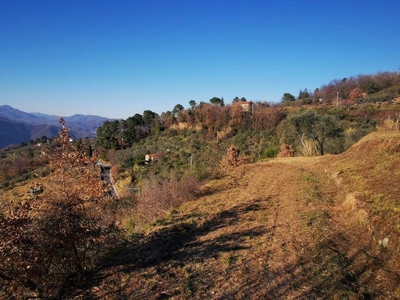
(54, 236)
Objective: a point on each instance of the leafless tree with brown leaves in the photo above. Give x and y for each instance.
(51, 239)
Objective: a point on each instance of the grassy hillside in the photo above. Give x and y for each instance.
(289, 228)
(214, 214)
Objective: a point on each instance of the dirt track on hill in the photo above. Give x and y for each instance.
(290, 228)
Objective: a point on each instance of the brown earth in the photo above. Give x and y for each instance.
(288, 228)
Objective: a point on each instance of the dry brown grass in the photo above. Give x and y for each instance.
(390, 124)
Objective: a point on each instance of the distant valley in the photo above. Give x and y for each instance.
(17, 126)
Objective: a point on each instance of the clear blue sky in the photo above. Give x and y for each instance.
(118, 58)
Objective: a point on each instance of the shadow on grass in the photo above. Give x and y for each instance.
(331, 268)
(326, 272)
(178, 244)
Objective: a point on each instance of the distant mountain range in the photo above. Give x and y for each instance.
(17, 126)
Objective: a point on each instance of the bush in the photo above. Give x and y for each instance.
(286, 151)
(270, 152)
(382, 96)
(51, 239)
(161, 195)
(390, 124)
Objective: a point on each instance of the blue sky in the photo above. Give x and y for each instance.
(118, 58)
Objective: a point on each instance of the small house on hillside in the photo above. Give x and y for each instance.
(150, 157)
(245, 106)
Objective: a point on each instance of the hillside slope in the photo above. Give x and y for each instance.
(14, 133)
(17, 126)
(290, 228)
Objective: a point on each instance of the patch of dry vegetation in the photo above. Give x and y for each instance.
(51, 239)
(160, 196)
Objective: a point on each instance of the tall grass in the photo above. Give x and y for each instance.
(391, 124)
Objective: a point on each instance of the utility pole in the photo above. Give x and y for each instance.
(337, 98)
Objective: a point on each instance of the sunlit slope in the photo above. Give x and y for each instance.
(290, 228)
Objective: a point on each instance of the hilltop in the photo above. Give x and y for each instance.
(286, 228)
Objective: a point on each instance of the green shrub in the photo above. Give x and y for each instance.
(270, 152)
